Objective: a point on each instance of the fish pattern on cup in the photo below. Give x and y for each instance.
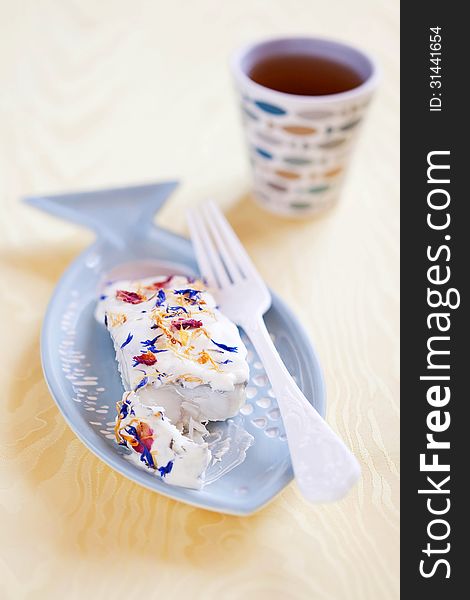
(299, 155)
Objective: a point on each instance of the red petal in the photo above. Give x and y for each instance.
(145, 435)
(186, 324)
(130, 297)
(148, 358)
(160, 284)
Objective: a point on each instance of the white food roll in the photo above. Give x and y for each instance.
(156, 444)
(175, 348)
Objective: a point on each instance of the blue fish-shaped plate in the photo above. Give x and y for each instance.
(79, 360)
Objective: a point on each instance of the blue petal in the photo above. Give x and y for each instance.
(165, 470)
(177, 309)
(161, 297)
(142, 383)
(131, 430)
(150, 342)
(128, 339)
(147, 458)
(224, 347)
(155, 350)
(188, 291)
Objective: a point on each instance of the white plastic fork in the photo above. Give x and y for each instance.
(324, 467)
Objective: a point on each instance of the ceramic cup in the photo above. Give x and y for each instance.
(300, 146)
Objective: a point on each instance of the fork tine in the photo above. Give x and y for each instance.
(243, 260)
(219, 274)
(201, 254)
(223, 248)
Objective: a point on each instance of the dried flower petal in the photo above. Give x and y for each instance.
(165, 470)
(224, 347)
(161, 297)
(186, 324)
(147, 458)
(189, 292)
(148, 358)
(160, 284)
(145, 436)
(128, 339)
(150, 345)
(129, 297)
(176, 309)
(143, 382)
(151, 342)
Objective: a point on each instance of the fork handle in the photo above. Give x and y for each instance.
(325, 469)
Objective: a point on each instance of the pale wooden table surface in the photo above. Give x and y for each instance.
(116, 92)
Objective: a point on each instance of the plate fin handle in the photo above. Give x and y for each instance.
(115, 214)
